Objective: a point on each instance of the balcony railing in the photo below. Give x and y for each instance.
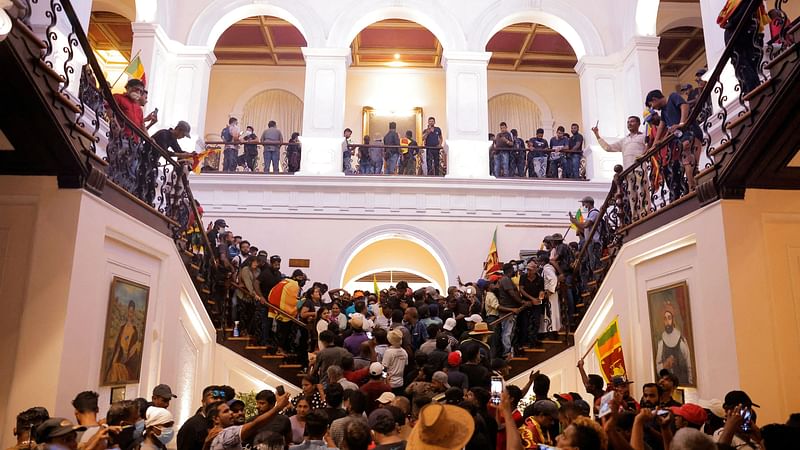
(669, 173)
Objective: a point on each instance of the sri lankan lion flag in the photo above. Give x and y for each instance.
(609, 352)
(284, 296)
(135, 69)
(198, 158)
(578, 218)
(492, 263)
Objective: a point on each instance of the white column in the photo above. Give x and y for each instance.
(467, 132)
(323, 110)
(642, 74)
(602, 100)
(177, 79)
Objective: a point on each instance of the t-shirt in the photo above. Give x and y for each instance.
(373, 390)
(392, 138)
(133, 111)
(671, 113)
(279, 424)
(193, 433)
(477, 375)
(556, 142)
(576, 139)
(593, 216)
(298, 429)
(166, 140)
(531, 288)
(457, 379)
(395, 360)
(503, 297)
(86, 435)
(432, 138)
(501, 143)
(329, 356)
(271, 134)
(538, 145)
(228, 439)
(250, 148)
(353, 342)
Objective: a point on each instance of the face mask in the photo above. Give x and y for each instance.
(135, 96)
(138, 430)
(166, 435)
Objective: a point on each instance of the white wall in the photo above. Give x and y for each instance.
(690, 249)
(65, 248)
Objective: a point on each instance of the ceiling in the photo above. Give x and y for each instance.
(109, 31)
(261, 40)
(679, 48)
(530, 47)
(396, 43)
(393, 276)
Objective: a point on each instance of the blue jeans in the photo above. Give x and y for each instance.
(230, 159)
(365, 167)
(346, 163)
(271, 156)
(506, 333)
(262, 324)
(555, 163)
(391, 163)
(501, 163)
(573, 167)
(537, 166)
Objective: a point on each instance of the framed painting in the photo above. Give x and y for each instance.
(124, 333)
(671, 332)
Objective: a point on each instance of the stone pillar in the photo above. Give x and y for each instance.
(177, 79)
(323, 110)
(466, 132)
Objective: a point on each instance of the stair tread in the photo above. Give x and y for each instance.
(535, 350)
(290, 366)
(256, 347)
(739, 120)
(792, 48)
(722, 147)
(760, 88)
(550, 341)
(272, 356)
(238, 338)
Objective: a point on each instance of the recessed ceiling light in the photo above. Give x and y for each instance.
(397, 56)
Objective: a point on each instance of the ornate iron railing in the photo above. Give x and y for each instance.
(667, 174)
(133, 161)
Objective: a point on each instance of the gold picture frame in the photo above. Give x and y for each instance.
(125, 331)
(376, 122)
(671, 332)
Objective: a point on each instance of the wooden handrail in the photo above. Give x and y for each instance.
(275, 309)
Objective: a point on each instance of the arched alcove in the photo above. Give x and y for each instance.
(518, 110)
(285, 108)
(395, 247)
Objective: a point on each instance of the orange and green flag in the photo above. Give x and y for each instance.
(375, 288)
(492, 263)
(135, 69)
(578, 218)
(609, 352)
(284, 296)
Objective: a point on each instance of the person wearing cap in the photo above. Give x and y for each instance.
(538, 418)
(668, 383)
(623, 386)
(385, 430)
(158, 429)
(59, 431)
(454, 375)
(735, 403)
(447, 329)
(129, 103)
(376, 385)
(592, 216)
(531, 288)
(226, 436)
(162, 395)
(237, 410)
(689, 415)
(673, 352)
(395, 359)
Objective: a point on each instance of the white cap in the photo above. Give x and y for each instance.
(714, 405)
(386, 397)
(157, 416)
(449, 324)
(476, 318)
(376, 369)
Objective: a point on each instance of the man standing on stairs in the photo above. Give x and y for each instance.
(509, 302)
(561, 258)
(592, 217)
(532, 290)
(552, 322)
(269, 276)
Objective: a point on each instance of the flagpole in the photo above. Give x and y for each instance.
(126, 68)
(591, 347)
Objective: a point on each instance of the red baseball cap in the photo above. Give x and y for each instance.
(454, 359)
(692, 413)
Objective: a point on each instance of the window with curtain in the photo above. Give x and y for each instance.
(285, 108)
(517, 111)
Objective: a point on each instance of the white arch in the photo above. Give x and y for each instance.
(146, 10)
(252, 91)
(431, 15)
(124, 9)
(646, 17)
(219, 15)
(569, 22)
(530, 94)
(395, 231)
(432, 279)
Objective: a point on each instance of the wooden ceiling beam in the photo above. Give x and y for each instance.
(438, 59)
(268, 38)
(402, 51)
(535, 56)
(526, 45)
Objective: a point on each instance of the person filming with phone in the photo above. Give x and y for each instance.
(740, 430)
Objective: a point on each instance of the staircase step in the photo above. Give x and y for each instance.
(517, 358)
(606, 258)
(550, 341)
(255, 347)
(580, 305)
(792, 49)
(66, 101)
(200, 279)
(592, 284)
(739, 120)
(211, 302)
(273, 356)
(586, 294)
(290, 366)
(205, 291)
(721, 148)
(49, 71)
(761, 88)
(194, 267)
(239, 338)
(535, 350)
(187, 253)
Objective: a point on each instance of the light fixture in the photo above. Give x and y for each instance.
(396, 64)
(397, 56)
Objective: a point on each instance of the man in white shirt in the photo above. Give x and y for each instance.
(551, 291)
(226, 436)
(632, 148)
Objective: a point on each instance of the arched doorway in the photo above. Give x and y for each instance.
(516, 109)
(385, 251)
(279, 105)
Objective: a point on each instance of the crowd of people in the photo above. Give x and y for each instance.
(512, 156)
(240, 149)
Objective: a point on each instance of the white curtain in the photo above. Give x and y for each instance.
(517, 111)
(274, 104)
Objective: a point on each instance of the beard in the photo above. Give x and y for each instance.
(669, 328)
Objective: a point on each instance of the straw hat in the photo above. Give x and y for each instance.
(481, 328)
(441, 427)
(395, 337)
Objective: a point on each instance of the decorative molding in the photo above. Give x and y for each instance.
(392, 198)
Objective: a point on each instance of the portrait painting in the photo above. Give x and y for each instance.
(671, 332)
(124, 333)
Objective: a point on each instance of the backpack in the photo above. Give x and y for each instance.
(602, 228)
(226, 135)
